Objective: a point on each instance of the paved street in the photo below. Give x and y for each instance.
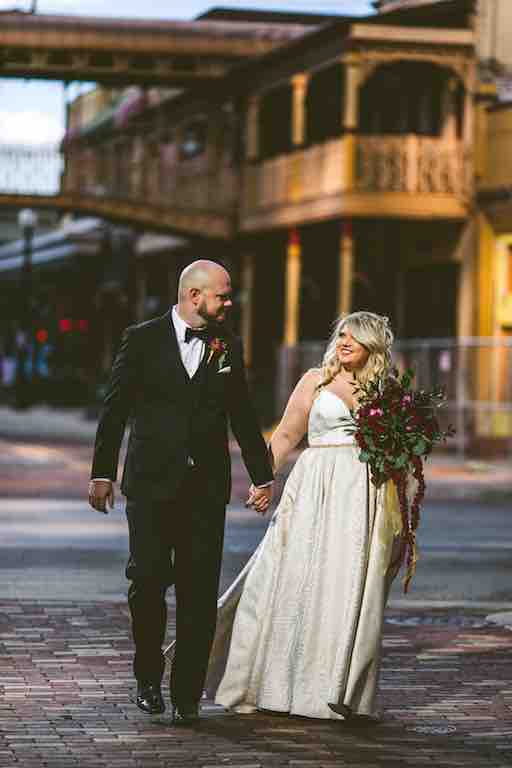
(65, 648)
(61, 548)
(66, 688)
(49, 530)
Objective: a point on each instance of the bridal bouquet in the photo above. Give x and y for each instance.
(396, 428)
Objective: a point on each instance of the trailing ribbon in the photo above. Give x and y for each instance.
(398, 523)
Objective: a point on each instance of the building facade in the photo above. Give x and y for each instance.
(360, 165)
(340, 168)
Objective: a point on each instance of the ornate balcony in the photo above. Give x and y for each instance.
(401, 176)
(413, 164)
(307, 184)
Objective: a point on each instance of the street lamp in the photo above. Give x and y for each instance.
(27, 221)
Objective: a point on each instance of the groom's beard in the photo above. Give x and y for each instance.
(210, 318)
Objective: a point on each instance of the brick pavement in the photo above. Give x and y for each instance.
(66, 688)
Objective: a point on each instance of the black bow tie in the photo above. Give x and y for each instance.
(196, 333)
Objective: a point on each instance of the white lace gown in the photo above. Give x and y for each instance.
(303, 621)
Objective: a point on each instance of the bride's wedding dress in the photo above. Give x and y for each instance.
(301, 626)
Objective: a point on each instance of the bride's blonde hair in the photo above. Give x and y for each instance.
(374, 333)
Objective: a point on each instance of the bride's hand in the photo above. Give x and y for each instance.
(259, 498)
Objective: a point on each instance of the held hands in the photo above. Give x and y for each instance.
(259, 498)
(101, 493)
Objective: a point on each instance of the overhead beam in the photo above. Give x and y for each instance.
(132, 51)
(200, 224)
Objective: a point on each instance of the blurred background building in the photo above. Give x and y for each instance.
(358, 163)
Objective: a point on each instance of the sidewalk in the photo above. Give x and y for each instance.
(46, 425)
(66, 701)
(448, 477)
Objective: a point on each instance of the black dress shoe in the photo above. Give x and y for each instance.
(185, 715)
(149, 698)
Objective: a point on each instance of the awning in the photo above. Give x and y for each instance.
(49, 256)
(149, 243)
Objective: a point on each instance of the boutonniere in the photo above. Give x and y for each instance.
(219, 349)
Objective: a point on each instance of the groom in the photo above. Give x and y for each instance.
(180, 378)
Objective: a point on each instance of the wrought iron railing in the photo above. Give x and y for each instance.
(30, 169)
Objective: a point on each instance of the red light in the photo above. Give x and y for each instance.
(293, 237)
(83, 325)
(42, 335)
(65, 325)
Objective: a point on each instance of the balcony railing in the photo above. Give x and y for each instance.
(309, 174)
(150, 182)
(414, 165)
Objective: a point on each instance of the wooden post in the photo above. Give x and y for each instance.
(300, 88)
(346, 268)
(141, 286)
(247, 285)
(252, 140)
(172, 279)
(350, 117)
(469, 112)
(449, 116)
(352, 82)
(292, 297)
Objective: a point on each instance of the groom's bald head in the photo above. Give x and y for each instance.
(200, 274)
(204, 290)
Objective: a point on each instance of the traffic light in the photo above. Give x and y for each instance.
(41, 335)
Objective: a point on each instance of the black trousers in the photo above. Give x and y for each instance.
(189, 530)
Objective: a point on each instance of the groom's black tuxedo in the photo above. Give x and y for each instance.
(175, 417)
(177, 481)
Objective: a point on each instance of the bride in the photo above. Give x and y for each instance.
(299, 631)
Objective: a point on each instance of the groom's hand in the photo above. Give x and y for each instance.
(101, 492)
(259, 498)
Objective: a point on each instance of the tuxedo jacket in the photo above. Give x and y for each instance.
(175, 418)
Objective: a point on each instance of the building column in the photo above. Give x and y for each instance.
(300, 89)
(468, 130)
(172, 279)
(346, 268)
(466, 323)
(141, 289)
(449, 114)
(350, 117)
(352, 83)
(292, 289)
(247, 294)
(252, 139)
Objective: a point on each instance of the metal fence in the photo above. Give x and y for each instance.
(475, 372)
(27, 169)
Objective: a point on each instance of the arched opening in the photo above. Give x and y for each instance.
(412, 97)
(324, 104)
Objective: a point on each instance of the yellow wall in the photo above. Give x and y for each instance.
(487, 246)
(498, 142)
(492, 365)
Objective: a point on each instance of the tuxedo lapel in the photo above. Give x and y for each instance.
(169, 350)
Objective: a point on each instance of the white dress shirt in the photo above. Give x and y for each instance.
(192, 352)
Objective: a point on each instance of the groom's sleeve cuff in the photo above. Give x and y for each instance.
(265, 485)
